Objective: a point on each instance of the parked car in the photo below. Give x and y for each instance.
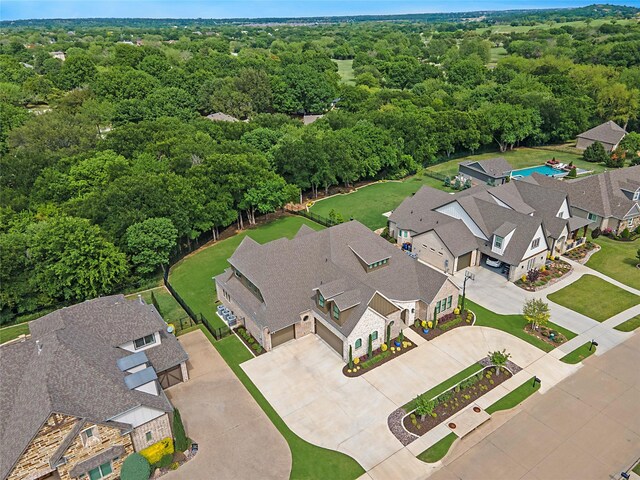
(492, 262)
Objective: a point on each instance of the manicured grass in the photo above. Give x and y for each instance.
(345, 70)
(309, 461)
(617, 260)
(10, 333)
(446, 385)
(169, 308)
(519, 158)
(630, 325)
(192, 276)
(636, 469)
(515, 397)
(595, 298)
(514, 325)
(438, 450)
(579, 354)
(369, 203)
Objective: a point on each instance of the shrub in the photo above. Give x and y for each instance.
(401, 336)
(456, 310)
(573, 173)
(595, 153)
(155, 452)
(637, 230)
(350, 357)
(174, 466)
(533, 275)
(384, 347)
(165, 461)
(595, 233)
(625, 234)
(182, 442)
(135, 467)
(356, 360)
(424, 406)
(255, 346)
(259, 349)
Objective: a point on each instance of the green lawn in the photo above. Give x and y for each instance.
(192, 276)
(636, 469)
(446, 385)
(519, 158)
(309, 461)
(514, 325)
(345, 70)
(630, 325)
(595, 298)
(515, 397)
(169, 308)
(438, 450)
(497, 53)
(10, 333)
(617, 260)
(579, 354)
(369, 203)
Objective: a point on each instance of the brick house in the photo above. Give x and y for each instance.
(85, 389)
(343, 284)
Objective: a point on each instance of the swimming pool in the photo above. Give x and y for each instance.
(541, 169)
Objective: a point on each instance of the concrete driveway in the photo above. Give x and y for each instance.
(587, 427)
(302, 380)
(235, 437)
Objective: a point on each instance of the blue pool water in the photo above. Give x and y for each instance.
(542, 169)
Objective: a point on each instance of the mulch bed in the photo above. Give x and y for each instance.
(543, 334)
(239, 333)
(356, 372)
(554, 272)
(457, 402)
(580, 254)
(445, 322)
(179, 458)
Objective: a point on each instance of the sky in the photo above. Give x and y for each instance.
(27, 9)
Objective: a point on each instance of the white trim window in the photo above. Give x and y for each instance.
(592, 216)
(145, 341)
(535, 243)
(101, 471)
(636, 195)
(630, 223)
(497, 242)
(89, 436)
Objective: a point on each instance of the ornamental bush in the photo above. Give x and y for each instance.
(182, 442)
(135, 467)
(595, 233)
(165, 461)
(155, 452)
(595, 153)
(625, 233)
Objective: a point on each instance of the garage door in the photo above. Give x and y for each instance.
(281, 336)
(464, 261)
(170, 377)
(328, 336)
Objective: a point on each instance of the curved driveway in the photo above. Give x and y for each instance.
(235, 437)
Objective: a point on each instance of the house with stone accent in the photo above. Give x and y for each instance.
(341, 284)
(609, 134)
(608, 200)
(516, 223)
(85, 389)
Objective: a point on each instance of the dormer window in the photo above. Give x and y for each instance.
(144, 341)
(378, 264)
(89, 436)
(320, 300)
(336, 312)
(497, 242)
(636, 195)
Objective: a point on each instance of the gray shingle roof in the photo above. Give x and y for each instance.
(288, 271)
(608, 132)
(457, 237)
(97, 460)
(494, 167)
(76, 372)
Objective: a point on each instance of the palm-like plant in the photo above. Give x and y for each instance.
(499, 359)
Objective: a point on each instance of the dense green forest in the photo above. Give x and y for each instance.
(108, 162)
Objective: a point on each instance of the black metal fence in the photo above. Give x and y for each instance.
(327, 222)
(436, 175)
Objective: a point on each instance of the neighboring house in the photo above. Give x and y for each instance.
(309, 119)
(494, 171)
(517, 223)
(85, 390)
(221, 117)
(608, 200)
(609, 134)
(343, 284)
(58, 55)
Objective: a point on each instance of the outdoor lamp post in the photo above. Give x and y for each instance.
(593, 344)
(467, 276)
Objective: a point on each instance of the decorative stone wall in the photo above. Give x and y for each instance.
(159, 427)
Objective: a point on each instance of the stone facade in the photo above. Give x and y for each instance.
(447, 290)
(158, 427)
(34, 462)
(370, 321)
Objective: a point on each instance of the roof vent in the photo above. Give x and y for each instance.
(39, 345)
(140, 299)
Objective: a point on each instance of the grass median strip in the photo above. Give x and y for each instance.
(514, 325)
(579, 354)
(438, 450)
(630, 325)
(309, 461)
(515, 397)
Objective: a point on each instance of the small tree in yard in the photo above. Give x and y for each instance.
(424, 406)
(499, 359)
(536, 312)
(389, 334)
(350, 357)
(135, 467)
(595, 153)
(181, 441)
(370, 347)
(532, 276)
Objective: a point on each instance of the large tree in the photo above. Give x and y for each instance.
(150, 243)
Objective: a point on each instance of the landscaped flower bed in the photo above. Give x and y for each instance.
(546, 275)
(548, 335)
(452, 401)
(249, 341)
(430, 330)
(379, 356)
(579, 253)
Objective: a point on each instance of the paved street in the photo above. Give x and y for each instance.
(236, 439)
(587, 427)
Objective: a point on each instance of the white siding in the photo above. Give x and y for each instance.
(505, 242)
(540, 248)
(151, 388)
(455, 210)
(564, 210)
(138, 416)
(500, 202)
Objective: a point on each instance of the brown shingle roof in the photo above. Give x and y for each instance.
(494, 167)
(609, 132)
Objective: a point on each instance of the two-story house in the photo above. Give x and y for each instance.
(343, 284)
(85, 389)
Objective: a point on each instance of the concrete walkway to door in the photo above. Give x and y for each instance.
(235, 437)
